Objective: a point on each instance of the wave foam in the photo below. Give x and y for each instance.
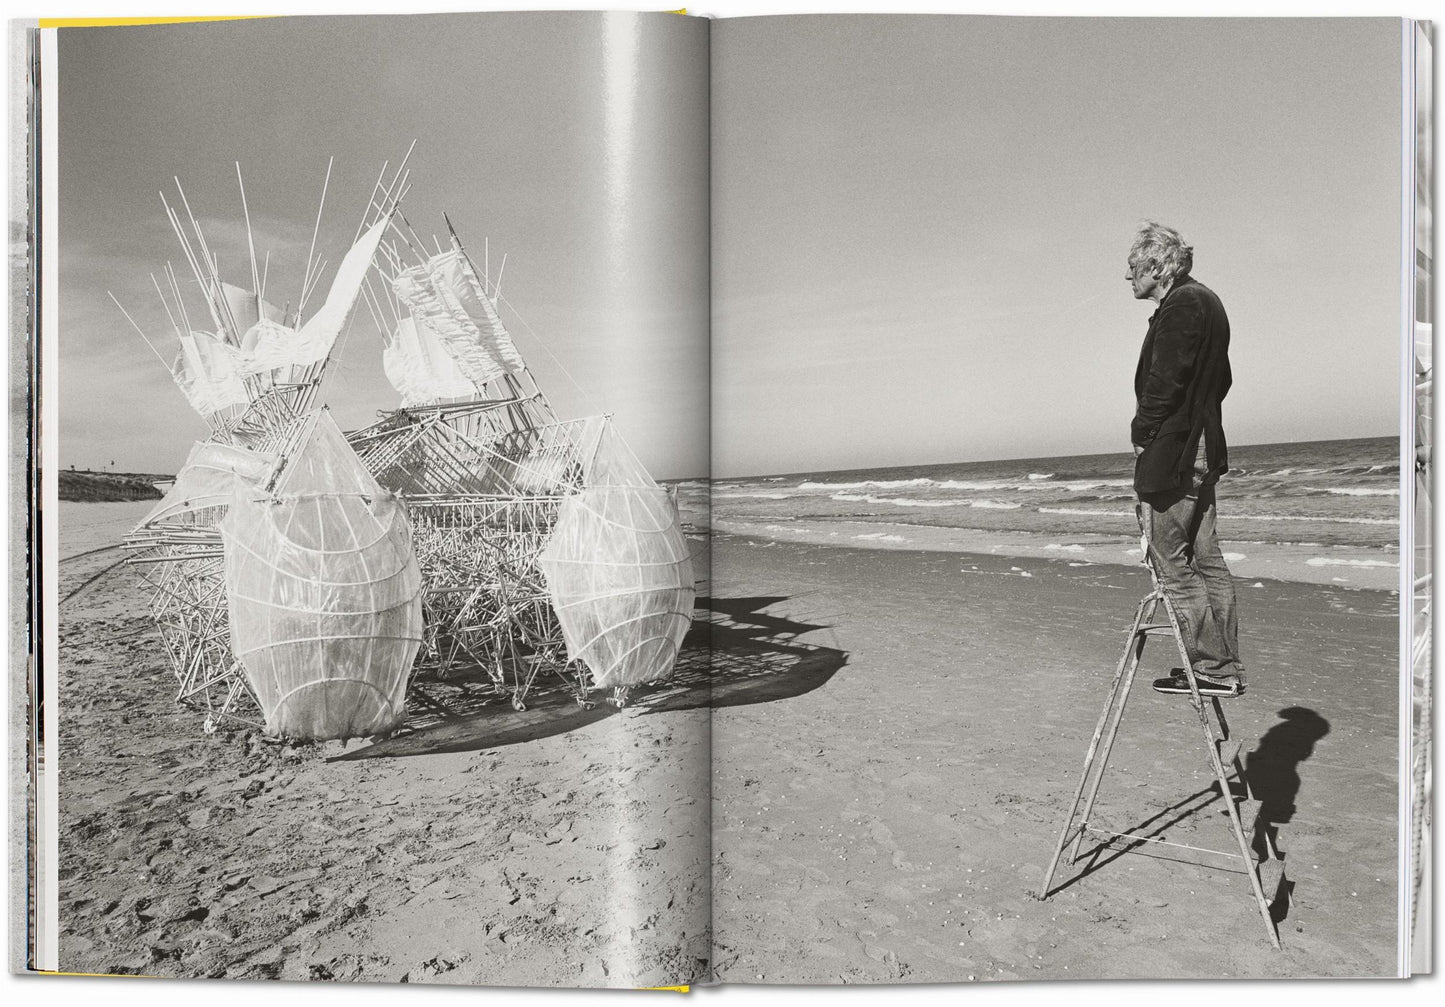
(1353, 491)
(1331, 561)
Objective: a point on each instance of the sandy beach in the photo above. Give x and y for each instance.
(556, 847)
(892, 823)
(895, 737)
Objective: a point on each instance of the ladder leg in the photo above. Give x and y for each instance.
(1147, 610)
(1127, 663)
(1212, 737)
(1246, 853)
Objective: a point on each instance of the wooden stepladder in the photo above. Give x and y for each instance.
(1266, 872)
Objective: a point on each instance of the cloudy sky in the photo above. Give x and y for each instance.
(575, 143)
(918, 230)
(921, 224)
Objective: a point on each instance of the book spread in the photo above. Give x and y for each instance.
(596, 499)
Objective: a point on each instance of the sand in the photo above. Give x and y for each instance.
(891, 824)
(556, 847)
(895, 740)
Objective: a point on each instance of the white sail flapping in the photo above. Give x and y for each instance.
(246, 307)
(420, 368)
(208, 372)
(445, 297)
(268, 344)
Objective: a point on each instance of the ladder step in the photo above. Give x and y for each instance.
(1228, 750)
(1271, 880)
(1156, 629)
(1248, 810)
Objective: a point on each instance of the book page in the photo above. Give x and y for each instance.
(938, 330)
(376, 546)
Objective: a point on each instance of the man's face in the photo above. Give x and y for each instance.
(1144, 283)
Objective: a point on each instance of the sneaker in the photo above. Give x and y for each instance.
(1177, 684)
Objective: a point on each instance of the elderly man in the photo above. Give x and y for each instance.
(1180, 454)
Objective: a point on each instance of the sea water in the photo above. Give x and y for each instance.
(1329, 505)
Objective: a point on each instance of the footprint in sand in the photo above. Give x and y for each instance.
(883, 836)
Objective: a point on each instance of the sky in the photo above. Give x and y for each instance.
(921, 226)
(918, 225)
(574, 143)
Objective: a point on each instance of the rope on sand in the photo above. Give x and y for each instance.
(91, 580)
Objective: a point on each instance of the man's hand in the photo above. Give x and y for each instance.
(1138, 451)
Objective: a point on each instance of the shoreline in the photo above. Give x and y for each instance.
(1349, 567)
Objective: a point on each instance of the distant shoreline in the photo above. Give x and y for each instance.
(85, 486)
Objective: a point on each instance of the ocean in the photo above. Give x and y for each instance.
(1328, 505)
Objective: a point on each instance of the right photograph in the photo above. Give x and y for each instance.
(1059, 465)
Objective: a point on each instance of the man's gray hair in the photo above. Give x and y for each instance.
(1162, 250)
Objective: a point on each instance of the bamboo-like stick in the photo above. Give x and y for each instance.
(370, 199)
(140, 333)
(176, 292)
(250, 238)
(166, 304)
(315, 230)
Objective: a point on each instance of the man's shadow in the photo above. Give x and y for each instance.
(1273, 768)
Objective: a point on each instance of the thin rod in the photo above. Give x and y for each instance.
(139, 332)
(250, 239)
(315, 230)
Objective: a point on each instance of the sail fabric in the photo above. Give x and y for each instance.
(246, 308)
(445, 297)
(324, 595)
(607, 459)
(620, 581)
(209, 373)
(208, 480)
(420, 368)
(268, 344)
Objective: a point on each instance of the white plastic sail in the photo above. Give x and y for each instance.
(445, 297)
(246, 307)
(324, 594)
(208, 480)
(420, 368)
(208, 372)
(268, 344)
(618, 569)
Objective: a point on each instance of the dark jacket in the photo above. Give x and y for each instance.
(1182, 378)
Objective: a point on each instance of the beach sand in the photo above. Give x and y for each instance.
(892, 823)
(555, 847)
(896, 737)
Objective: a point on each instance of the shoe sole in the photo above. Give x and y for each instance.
(1180, 687)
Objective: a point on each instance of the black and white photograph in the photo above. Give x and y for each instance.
(629, 500)
(376, 336)
(1052, 282)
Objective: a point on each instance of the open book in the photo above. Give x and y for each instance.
(595, 499)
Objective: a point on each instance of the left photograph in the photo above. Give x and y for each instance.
(376, 407)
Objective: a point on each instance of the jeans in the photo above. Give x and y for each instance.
(1179, 527)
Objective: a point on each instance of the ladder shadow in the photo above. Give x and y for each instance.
(735, 654)
(1272, 769)
(1181, 812)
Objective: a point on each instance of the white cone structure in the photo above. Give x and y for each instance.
(618, 569)
(324, 593)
